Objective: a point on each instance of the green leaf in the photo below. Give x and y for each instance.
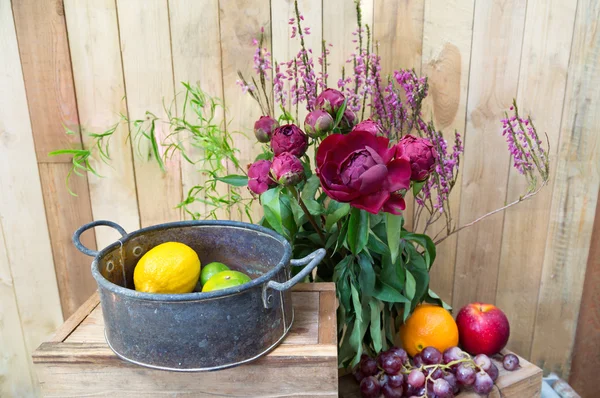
(336, 211)
(417, 186)
(366, 278)
(375, 328)
(340, 114)
(390, 275)
(287, 218)
(310, 188)
(299, 215)
(385, 292)
(422, 284)
(272, 208)
(432, 297)
(426, 243)
(411, 285)
(358, 230)
(264, 156)
(342, 236)
(234, 179)
(393, 224)
(314, 207)
(359, 330)
(376, 245)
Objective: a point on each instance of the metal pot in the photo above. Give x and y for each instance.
(198, 331)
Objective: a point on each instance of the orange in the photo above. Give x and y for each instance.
(429, 325)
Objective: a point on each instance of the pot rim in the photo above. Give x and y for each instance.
(194, 296)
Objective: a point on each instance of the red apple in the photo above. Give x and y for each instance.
(482, 328)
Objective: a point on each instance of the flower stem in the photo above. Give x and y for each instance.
(308, 215)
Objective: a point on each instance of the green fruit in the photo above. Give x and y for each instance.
(211, 269)
(224, 280)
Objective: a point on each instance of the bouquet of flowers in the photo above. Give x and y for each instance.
(339, 179)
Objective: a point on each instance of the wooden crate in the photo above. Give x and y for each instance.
(78, 362)
(526, 382)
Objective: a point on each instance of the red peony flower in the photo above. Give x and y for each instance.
(264, 128)
(370, 126)
(360, 169)
(259, 179)
(318, 123)
(330, 101)
(289, 138)
(421, 153)
(287, 169)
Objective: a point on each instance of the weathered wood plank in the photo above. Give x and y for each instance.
(546, 42)
(148, 72)
(83, 313)
(447, 36)
(196, 51)
(98, 74)
(238, 27)
(492, 86)
(573, 200)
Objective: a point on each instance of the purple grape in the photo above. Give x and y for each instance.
(465, 374)
(416, 378)
(493, 372)
(437, 374)
(391, 364)
(452, 354)
(431, 356)
(451, 379)
(395, 380)
(420, 391)
(358, 375)
(400, 353)
(483, 383)
(369, 367)
(392, 392)
(369, 387)
(510, 362)
(442, 388)
(483, 361)
(418, 360)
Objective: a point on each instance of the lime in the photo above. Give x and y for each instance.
(211, 269)
(224, 280)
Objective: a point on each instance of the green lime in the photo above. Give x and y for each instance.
(211, 269)
(225, 279)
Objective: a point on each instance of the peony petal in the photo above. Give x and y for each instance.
(395, 204)
(371, 203)
(331, 184)
(399, 173)
(372, 179)
(257, 187)
(329, 143)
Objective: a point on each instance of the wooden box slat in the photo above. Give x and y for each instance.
(78, 362)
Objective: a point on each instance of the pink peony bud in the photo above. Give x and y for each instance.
(264, 127)
(259, 179)
(287, 169)
(289, 138)
(330, 101)
(318, 123)
(370, 126)
(348, 121)
(421, 154)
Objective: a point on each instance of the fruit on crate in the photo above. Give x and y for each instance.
(483, 328)
(391, 374)
(428, 326)
(211, 269)
(224, 280)
(171, 267)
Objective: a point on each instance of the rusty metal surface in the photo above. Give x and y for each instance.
(198, 331)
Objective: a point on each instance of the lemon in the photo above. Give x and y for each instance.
(211, 269)
(170, 267)
(224, 280)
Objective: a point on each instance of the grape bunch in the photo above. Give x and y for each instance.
(430, 374)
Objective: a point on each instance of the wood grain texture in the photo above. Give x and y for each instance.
(339, 34)
(447, 36)
(238, 27)
(74, 321)
(526, 382)
(29, 300)
(196, 49)
(573, 200)
(148, 72)
(542, 82)
(44, 50)
(492, 86)
(98, 74)
(302, 366)
(586, 356)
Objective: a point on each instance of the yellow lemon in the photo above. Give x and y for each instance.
(225, 279)
(211, 269)
(170, 267)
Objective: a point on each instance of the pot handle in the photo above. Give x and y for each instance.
(93, 224)
(311, 261)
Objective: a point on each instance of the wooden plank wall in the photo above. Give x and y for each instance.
(80, 64)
